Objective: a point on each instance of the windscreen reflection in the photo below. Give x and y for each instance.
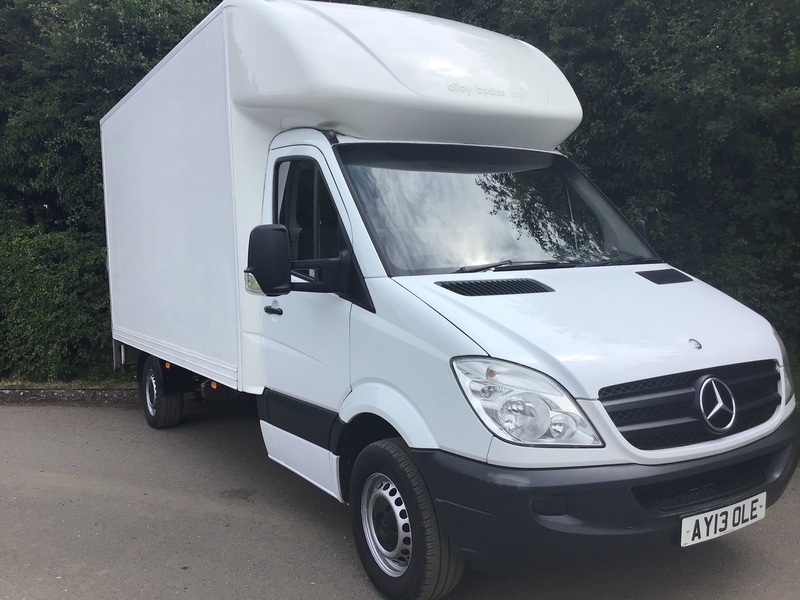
(437, 209)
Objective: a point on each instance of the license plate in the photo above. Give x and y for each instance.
(715, 523)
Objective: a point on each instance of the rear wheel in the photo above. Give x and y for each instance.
(404, 550)
(162, 407)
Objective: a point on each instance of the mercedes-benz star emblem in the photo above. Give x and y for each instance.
(717, 405)
(695, 344)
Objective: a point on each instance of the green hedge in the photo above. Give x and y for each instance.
(691, 121)
(54, 313)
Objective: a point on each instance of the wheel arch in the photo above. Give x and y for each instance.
(370, 413)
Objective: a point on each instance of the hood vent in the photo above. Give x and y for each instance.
(495, 287)
(665, 276)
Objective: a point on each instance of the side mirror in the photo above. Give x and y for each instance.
(269, 259)
(641, 227)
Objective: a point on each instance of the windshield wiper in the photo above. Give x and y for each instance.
(630, 260)
(525, 265)
(479, 268)
(520, 265)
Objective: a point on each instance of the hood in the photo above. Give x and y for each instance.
(590, 327)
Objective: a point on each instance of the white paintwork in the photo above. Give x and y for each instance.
(402, 354)
(188, 157)
(170, 215)
(314, 464)
(380, 399)
(785, 386)
(603, 326)
(306, 350)
(405, 347)
(342, 67)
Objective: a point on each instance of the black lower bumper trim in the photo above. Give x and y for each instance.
(499, 516)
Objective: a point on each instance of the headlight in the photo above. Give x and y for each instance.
(787, 370)
(521, 405)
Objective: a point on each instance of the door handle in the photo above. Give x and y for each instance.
(273, 310)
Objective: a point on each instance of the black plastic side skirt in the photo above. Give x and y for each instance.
(299, 418)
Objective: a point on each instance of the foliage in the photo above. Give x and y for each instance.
(63, 64)
(691, 113)
(54, 304)
(691, 122)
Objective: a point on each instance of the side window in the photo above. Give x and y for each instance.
(307, 210)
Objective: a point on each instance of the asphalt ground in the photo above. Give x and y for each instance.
(95, 504)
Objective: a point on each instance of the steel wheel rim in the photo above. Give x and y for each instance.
(387, 528)
(150, 394)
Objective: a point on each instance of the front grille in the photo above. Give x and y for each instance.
(663, 412)
(705, 487)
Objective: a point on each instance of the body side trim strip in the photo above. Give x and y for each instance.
(297, 417)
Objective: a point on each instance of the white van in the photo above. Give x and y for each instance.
(360, 218)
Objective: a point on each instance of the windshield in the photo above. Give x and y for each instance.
(443, 209)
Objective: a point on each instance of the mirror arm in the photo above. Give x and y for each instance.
(335, 274)
(310, 286)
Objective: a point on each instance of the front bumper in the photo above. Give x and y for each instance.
(499, 516)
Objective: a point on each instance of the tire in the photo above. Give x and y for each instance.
(162, 407)
(402, 547)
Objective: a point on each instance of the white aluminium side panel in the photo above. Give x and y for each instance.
(169, 210)
(250, 148)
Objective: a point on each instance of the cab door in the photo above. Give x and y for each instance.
(305, 334)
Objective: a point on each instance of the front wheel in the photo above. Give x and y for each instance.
(404, 550)
(162, 407)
